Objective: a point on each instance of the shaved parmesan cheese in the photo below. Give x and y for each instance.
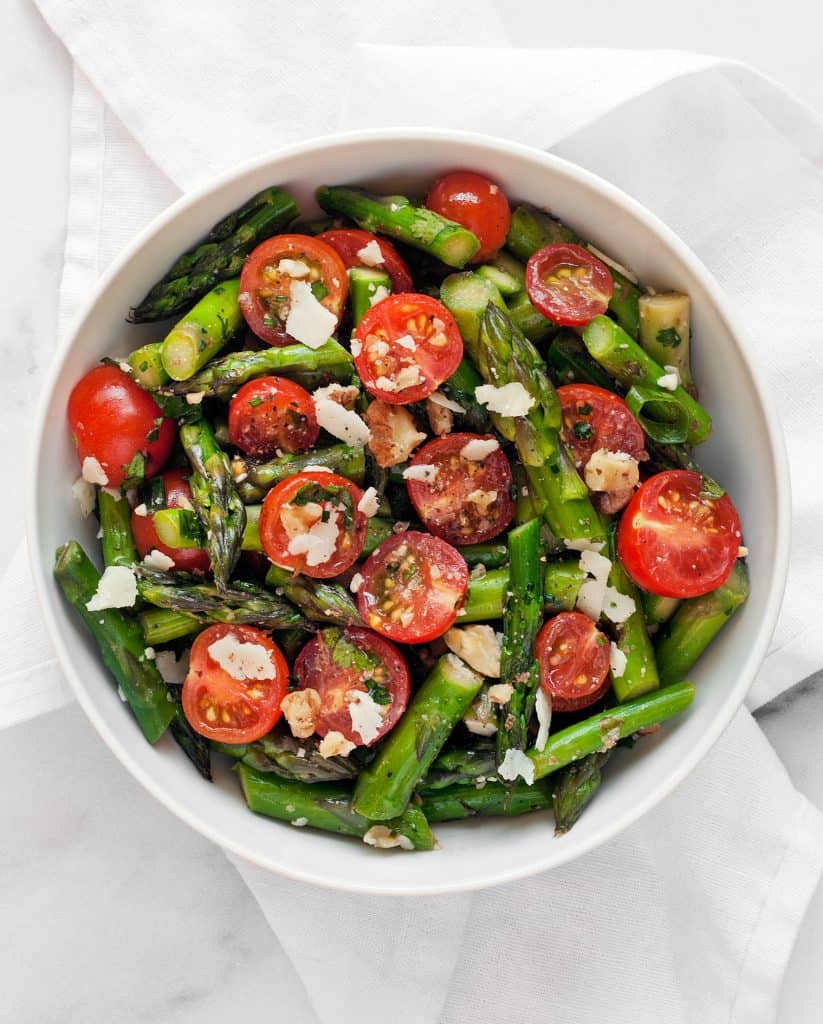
(406, 341)
(543, 707)
(366, 716)
(371, 254)
(346, 396)
(299, 822)
(478, 646)
(150, 653)
(298, 519)
(670, 380)
(93, 472)
(316, 469)
(406, 377)
(294, 268)
(515, 765)
(482, 500)
(595, 564)
(341, 423)
(141, 511)
(479, 448)
(319, 543)
(335, 744)
(584, 545)
(509, 400)
(356, 346)
(423, 472)
(356, 583)
(242, 660)
(195, 397)
(84, 496)
(308, 321)
(158, 560)
(440, 399)
(380, 292)
(117, 589)
(369, 503)
(617, 660)
(172, 670)
(501, 693)
(382, 837)
(618, 607)
(590, 598)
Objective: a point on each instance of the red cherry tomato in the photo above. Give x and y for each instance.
(349, 241)
(178, 495)
(310, 524)
(413, 585)
(468, 501)
(573, 656)
(675, 539)
(265, 289)
(272, 414)
(112, 419)
(337, 662)
(236, 682)
(568, 284)
(595, 418)
(405, 347)
(475, 202)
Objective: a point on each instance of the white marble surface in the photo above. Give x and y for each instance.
(177, 937)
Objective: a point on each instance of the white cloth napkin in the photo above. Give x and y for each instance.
(691, 914)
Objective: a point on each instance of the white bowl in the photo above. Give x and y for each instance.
(746, 453)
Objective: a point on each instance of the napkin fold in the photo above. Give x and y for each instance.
(690, 915)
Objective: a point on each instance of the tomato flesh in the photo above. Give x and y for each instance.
(178, 495)
(265, 283)
(350, 241)
(271, 415)
(405, 347)
(573, 656)
(595, 418)
(468, 501)
(477, 203)
(112, 419)
(413, 585)
(675, 539)
(337, 662)
(310, 524)
(233, 691)
(568, 284)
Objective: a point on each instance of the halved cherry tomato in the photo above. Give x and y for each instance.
(236, 682)
(336, 662)
(468, 501)
(475, 202)
(310, 523)
(178, 495)
(265, 287)
(413, 585)
(568, 284)
(595, 418)
(112, 419)
(271, 414)
(677, 540)
(405, 347)
(573, 656)
(349, 241)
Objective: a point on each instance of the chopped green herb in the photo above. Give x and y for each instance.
(254, 402)
(135, 471)
(710, 488)
(327, 494)
(345, 654)
(319, 290)
(379, 694)
(585, 409)
(669, 337)
(582, 430)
